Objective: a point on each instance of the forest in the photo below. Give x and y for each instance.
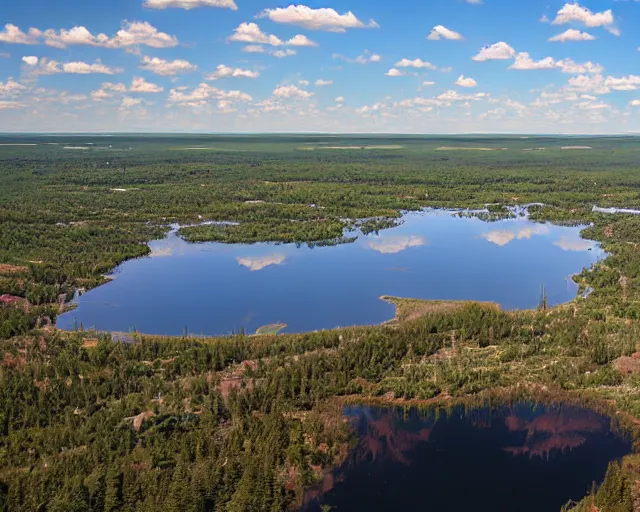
(247, 423)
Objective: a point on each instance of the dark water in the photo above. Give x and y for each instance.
(214, 288)
(510, 459)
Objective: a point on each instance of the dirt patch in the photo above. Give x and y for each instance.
(8, 270)
(608, 231)
(141, 418)
(628, 365)
(90, 343)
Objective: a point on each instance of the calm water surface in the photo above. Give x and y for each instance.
(523, 459)
(214, 288)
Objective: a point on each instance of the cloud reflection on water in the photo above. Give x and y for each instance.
(573, 244)
(395, 244)
(504, 236)
(254, 263)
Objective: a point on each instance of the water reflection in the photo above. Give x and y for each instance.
(260, 262)
(395, 244)
(574, 244)
(483, 459)
(503, 237)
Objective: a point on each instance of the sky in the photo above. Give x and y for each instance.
(362, 66)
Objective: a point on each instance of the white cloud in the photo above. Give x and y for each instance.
(253, 48)
(13, 35)
(128, 102)
(524, 61)
(395, 72)
(11, 88)
(132, 33)
(321, 83)
(339, 99)
(575, 13)
(365, 58)
(283, 53)
(190, 4)
(574, 68)
(625, 83)
(223, 71)
(452, 95)
(572, 35)
(30, 60)
(251, 33)
(166, 67)
(300, 40)
(204, 94)
(416, 63)
(6, 105)
(466, 82)
(140, 85)
(255, 263)
(315, 19)
(441, 32)
(395, 244)
(427, 83)
(635, 103)
(291, 91)
(497, 51)
(52, 67)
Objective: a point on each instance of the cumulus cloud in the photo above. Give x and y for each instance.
(572, 35)
(132, 33)
(365, 58)
(291, 91)
(255, 263)
(524, 61)
(166, 67)
(190, 4)
(223, 71)
(395, 244)
(140, 85)
(13, 35)
(322, 83)
(416, 63)
(252, 34)
(441, 32)
(30, 60)
(301, 40)
(283, 53)
(497, 51)
(315, 19)
(205, 94)
(395, 72)
(46, 66)
(339, 99)
(466, 82)
(635, 103)
(11, 88)
(575, 13)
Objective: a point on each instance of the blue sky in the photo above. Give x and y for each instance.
(430, 66)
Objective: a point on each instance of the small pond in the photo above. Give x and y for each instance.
(524, 458)
(214, 288)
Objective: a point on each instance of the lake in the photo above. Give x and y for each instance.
(523, 458)
(214, 288)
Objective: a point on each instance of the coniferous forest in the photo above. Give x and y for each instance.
(247, 423)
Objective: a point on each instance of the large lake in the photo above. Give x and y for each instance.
(214, 288)
(523, 458)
